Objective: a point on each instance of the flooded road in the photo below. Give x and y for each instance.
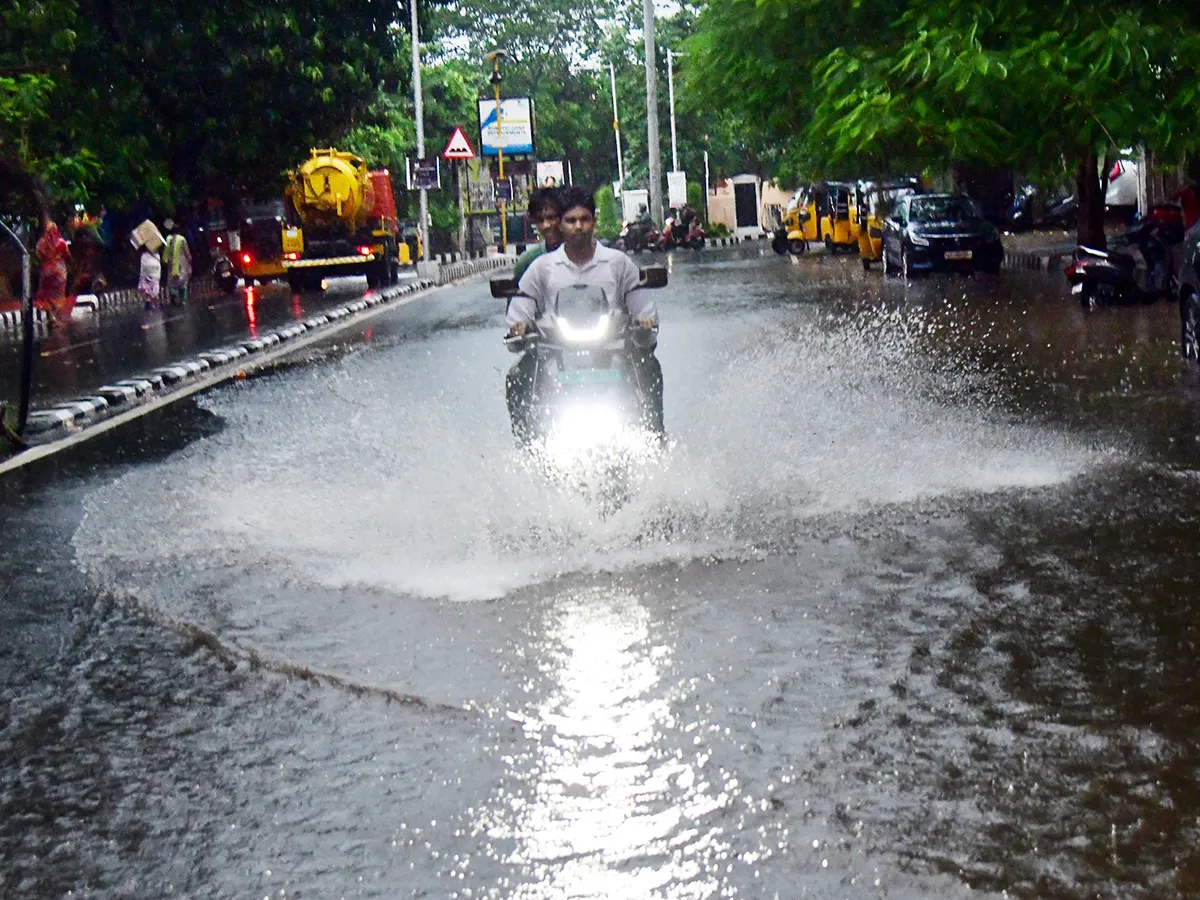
(906, 610)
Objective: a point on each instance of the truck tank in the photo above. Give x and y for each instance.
(332, 188)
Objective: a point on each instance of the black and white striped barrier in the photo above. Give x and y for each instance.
(13, 319)
(64, 419)
(1037, 262)
(456, 270)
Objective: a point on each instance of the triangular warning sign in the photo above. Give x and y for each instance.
(458, 148)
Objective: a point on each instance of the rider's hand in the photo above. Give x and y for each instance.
(648, 324)
(518, 329)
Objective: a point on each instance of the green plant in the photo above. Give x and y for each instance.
(695, 198)
(608, 220)
(718, 230)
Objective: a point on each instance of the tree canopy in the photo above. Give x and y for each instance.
(161, 100)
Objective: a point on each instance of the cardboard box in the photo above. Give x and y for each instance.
(147, 233)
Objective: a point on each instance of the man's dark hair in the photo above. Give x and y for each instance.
(541, 198)
(576, 196)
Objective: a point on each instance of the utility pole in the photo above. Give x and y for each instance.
(656, 205)
(419, 107)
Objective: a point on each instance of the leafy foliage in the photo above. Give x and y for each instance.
(167, 100)
(897, 85)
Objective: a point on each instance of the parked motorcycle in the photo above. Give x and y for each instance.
(639, 234)
(1112, 276)
(676, 234)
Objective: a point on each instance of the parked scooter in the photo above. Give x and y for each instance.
(1112, 276)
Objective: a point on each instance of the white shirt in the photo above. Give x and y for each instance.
(609, 269)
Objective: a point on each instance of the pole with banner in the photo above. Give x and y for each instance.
(495, 56)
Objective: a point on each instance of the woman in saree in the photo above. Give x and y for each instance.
(51, 296)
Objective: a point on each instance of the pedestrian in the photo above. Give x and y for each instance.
(149, 276)
(177, 262)
(53, 253)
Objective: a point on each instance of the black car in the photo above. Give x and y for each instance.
(1189, 293)
(939, 231)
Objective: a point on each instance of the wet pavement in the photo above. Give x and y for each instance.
(906, 610)
(98, 347)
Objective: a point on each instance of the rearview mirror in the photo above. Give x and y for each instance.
(653, 277)
(504, 287)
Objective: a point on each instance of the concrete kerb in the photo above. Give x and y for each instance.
(66, 424)
(13, 319)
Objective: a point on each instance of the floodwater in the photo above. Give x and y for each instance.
(906, 610)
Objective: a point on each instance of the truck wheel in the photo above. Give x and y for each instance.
(296, 281)
(372, 279)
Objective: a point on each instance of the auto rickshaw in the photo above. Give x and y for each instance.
(799, 224)
(259, 252)
(839, 225)
(875, 201)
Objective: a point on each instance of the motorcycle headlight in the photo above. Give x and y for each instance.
(583, 333)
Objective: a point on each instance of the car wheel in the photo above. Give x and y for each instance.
(797, 246)
(1189, 344)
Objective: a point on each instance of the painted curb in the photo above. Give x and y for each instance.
(63, 420)
(112, 403)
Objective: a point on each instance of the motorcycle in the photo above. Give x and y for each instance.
(676, 234)
(1112, 276)
(224, 274)
(638, 235)
(586, 402)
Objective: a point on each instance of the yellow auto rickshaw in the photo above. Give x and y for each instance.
(876, 200)
(838, 204)
(798, 225)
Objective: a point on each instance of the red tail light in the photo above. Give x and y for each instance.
(365, 251)
(247, 258)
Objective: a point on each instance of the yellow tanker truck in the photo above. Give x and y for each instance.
(341, 221)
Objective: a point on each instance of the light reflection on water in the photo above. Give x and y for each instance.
(610, 813)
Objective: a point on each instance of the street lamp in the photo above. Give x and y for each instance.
(612, 79)
(671, 57)
(495, 57)
(419, 112)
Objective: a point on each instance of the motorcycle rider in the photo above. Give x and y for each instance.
(582, 260)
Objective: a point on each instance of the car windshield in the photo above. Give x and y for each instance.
(943, 209)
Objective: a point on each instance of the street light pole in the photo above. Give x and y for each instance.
(671, 57)
(612, 76)
(495, 56)
(655, 161)
(419, 108)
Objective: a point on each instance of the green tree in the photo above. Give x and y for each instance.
(168, 100)
(1046, 86)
